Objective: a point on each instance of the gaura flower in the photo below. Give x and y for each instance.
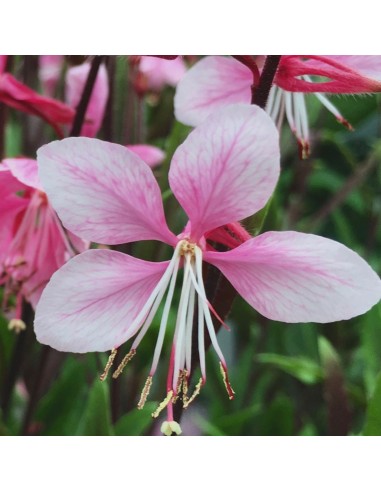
(216, 81)
(19, 96)
(225, 170)
(33, 243)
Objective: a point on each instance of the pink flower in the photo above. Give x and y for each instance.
(33, 244)
(17, 95)
(216, 81)
(226, 170)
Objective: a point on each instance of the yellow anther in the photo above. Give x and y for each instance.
(227, 384)
(187, 248)
(145, 393)
(163, 404)
(181, 383)
(16, 325)
(196, 392)
(110, 361)
(123, 364)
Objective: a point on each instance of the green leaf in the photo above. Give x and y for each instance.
(372, 425)
(96, 420)
(136, 422)
(302, 368)
(61, 408)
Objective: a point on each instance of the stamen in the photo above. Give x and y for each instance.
(196, 392)
(124, 362)
(145, 392)
(227, 384)
(110, 362)
(163, 404)
(180, 385)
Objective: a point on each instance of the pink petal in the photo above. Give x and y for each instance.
(212, 83)
(25, 170)
(295, 277)
(92, 300)
(21, 97)
(50, 68)
(160, 72)
(343, 77)
(150, 154)
(75, 82)
(227, 168)
(102, 191)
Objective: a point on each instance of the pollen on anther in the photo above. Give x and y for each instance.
(227, 384)
(110, 362)
(195, 393)
(124, 362)
(163, 404)
(145, 393)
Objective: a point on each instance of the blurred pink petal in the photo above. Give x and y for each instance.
(346, 74)
(151, 155)
(50, 68)
(159, 72)
(33, 244)
(102, 191)
(17, 95)
(212, 83)
(24, 170)
(75, 82)
(227, 168)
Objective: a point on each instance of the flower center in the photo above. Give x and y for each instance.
(193, 315)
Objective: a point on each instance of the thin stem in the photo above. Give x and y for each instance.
(85, 98)
(262, 91)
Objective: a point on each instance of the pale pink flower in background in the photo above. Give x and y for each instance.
(226, 170)
(216, 81)
(19, 96)
(33, 243)
(154, 73)
(49, 71)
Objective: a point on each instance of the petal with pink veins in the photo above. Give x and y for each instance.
(295, 277)
(150, 154)
(227, 168)
(92, 300)
(212, 83)
(25, 170)
(102, 191)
